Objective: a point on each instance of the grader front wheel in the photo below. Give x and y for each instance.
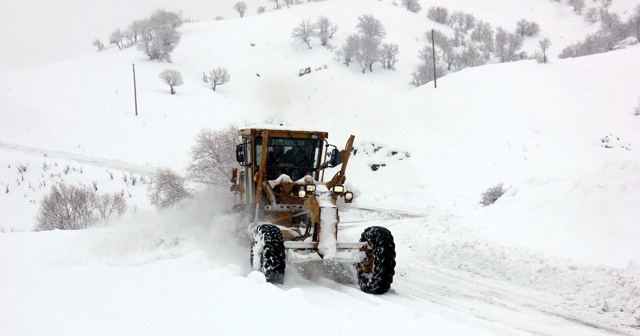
(375, 273)
(267, 253)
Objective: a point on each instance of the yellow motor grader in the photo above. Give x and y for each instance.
(293, 214)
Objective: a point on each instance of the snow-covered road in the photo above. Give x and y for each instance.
(185, 272)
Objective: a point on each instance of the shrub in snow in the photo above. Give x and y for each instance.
(213, 155)
(167, 188)
(492, 194)
(69, 207)
(637, 109)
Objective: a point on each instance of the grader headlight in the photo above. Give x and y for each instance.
(310, 188)
(348, 197)
(301, 193)
(338, 189)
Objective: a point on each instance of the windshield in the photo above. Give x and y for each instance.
(294, 157)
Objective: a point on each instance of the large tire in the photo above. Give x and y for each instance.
(267, 253)
(375, 273)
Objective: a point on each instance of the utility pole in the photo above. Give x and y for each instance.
(135, 93)
(433, 53)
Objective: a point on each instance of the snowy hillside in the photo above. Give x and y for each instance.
(556, 255)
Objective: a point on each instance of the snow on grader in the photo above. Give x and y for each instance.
(293, 212)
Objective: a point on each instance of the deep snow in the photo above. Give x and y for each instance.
(556, 255)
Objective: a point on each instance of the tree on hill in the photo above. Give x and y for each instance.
(304, 32)
(411, 5)
(368, 53)
(172, 78)
(98, 44)
(117, 38)
(159, 35)
(369, 26)
(277, 2)
(241, 8)
(389, 55)
(218, 76)
(544, 45)
(438, 14)
(524, 27)
(350, 48)
(325, 29)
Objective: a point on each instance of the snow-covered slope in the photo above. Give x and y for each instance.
(557, 254)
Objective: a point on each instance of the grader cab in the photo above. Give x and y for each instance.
(292, 211)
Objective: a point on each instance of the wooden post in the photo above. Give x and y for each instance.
(135, 93)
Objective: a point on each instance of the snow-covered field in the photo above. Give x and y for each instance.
(558, 254)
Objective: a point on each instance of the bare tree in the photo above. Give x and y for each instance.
(277, 2)
(241, 8)
(172, 78)
(412, 5)
(544, 45)
(369, 26)
(98, 44)
(350, 48)
(389, 55)
(483, 33)
(167, 188)
(261, 10)
(438, 14)
(163, 18)
(213, 155)
(116, 38)
(424, 71)
(304, 32)
(634, 22)
(159, 35)
(325, 29)
(134, 31)
(218, 76)
(507, 45)
(578, 6)
(524, 27)
(368, 53)
(592, 16)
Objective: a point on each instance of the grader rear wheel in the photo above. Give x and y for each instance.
(375, 273)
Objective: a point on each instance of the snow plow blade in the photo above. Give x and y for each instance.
(298, 252)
